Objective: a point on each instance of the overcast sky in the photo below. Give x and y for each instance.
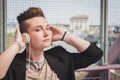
(60, 11)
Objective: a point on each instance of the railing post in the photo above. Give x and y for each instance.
(3, 22)
(103, 34)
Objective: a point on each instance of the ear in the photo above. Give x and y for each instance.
(26, 38)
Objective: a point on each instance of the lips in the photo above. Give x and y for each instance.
(46, 40)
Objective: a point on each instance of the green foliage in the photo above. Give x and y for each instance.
(10, 38)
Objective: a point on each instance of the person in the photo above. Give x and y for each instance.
(36, 63)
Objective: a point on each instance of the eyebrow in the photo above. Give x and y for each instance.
(38, 26)
(41, 26)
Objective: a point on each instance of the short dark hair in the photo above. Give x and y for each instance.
(29, 13)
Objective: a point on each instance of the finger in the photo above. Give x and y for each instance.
(15, 34)
(53, 28)
(56, 29)
(18, 31)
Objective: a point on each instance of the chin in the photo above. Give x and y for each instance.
(47, 45)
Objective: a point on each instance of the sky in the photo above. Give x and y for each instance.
(60, 11)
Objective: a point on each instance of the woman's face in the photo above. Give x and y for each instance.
(39, 32)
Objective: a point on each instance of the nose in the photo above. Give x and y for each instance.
(45, 33)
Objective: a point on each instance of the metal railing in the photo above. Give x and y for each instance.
(107, 69)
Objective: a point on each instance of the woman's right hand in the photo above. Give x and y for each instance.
(18, 38)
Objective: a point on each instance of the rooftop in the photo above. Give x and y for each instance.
(79, 17)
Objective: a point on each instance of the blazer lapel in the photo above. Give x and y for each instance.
(20, 67)
(56, 65)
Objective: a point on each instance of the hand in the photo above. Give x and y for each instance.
(57, 33)
(18, 38)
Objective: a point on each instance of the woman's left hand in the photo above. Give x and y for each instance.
(57, 33)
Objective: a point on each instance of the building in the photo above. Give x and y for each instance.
(79, 25)
(79, 22)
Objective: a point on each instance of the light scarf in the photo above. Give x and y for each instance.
(41, 72)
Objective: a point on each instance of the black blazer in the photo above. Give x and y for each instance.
(62, 62)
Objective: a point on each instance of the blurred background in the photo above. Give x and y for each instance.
(97, 21)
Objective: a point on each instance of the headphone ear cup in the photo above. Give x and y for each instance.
(26, 38)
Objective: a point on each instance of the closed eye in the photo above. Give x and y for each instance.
(37, 30)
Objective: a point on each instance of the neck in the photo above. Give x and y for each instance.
(35, 55)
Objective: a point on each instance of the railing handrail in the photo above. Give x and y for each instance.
(104, 67)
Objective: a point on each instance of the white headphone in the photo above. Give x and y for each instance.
(26, 38)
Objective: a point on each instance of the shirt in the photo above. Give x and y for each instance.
(39, 70)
